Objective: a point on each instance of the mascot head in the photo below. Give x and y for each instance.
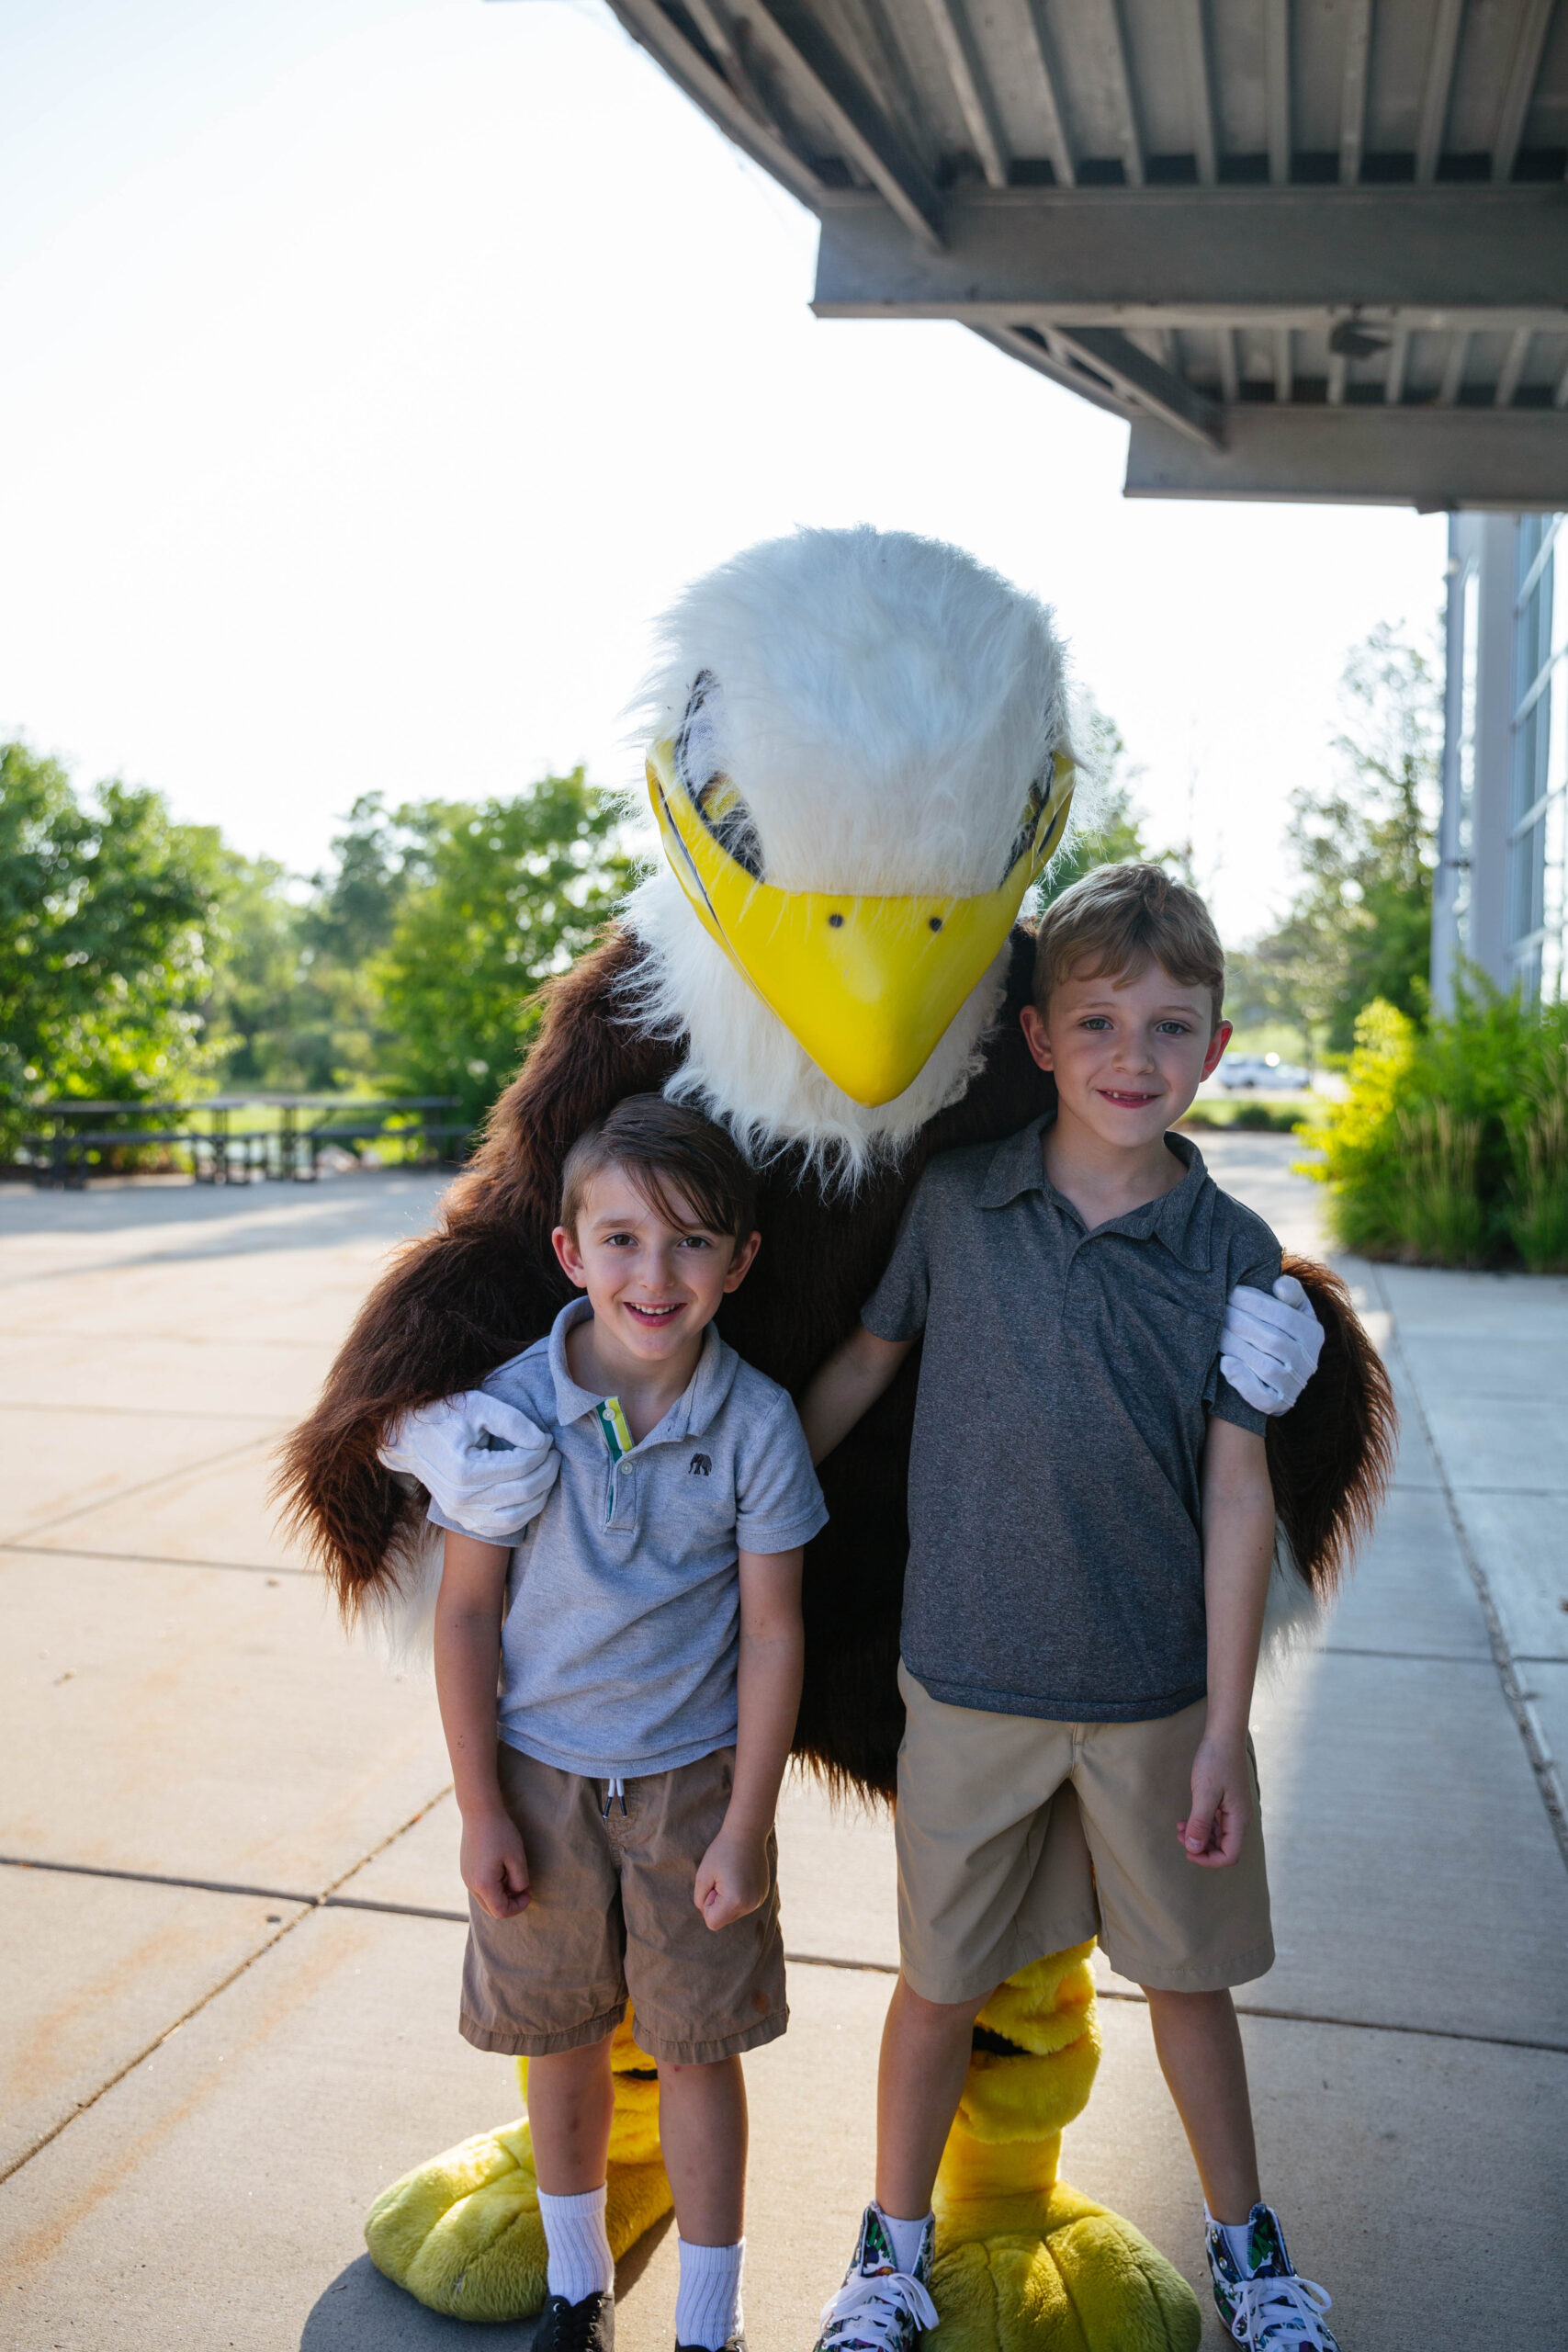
(858, 762)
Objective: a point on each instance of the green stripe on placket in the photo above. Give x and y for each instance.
(613, 1421)
(617, 1443)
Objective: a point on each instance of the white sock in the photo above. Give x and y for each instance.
(707, 2303)
(906, 2237)
(1237, 2236)
(579, 2262)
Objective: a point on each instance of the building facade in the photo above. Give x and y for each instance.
(1498, 901)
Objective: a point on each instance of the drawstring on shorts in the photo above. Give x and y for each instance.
(614, 1787)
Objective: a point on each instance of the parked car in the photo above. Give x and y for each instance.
(1261, 1073)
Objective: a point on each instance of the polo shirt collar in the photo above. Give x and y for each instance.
(1018, 1166)
(692, 1410)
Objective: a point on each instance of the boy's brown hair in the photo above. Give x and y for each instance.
(684, 1167)
(1125, 917)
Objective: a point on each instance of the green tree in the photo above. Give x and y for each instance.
(1360, 925)
(105, 909)
(498, 896)
(295, 1005)
(255, 974)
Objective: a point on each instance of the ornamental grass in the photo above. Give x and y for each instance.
(1450, 1147)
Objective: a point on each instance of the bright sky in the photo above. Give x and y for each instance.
(374, 368)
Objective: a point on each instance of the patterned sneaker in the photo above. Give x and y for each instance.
(1270, 2309)
(880, 2308)
(587, 2327)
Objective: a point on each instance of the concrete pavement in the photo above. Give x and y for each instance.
(228, 1959)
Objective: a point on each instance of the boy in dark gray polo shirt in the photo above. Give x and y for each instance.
(1092, 1534)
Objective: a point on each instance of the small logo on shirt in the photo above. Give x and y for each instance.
(699, 1467)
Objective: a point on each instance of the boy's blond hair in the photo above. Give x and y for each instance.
(1121, 918)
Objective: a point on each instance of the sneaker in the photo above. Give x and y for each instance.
(736, 2343)
(1269, 2307)
(880, 2308)
(587, 2327)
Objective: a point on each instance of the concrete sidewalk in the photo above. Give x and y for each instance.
(229, 1951)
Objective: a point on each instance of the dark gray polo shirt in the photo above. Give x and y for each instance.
(1056, 1558)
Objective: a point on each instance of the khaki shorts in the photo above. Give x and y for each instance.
(612, 1916)
(1017, 1837)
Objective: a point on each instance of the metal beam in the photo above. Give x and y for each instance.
(1106, 38)
(755, 134)
(1421, 258)
(1428, 458)
(1053, 105)
(967, 75)
(1284, 374)
(1277, 88)
(1453, 371)
(1145, 383)
(1398, 360)
(1199, 90)
(1438, 91)
(1529, 44)
(1042, 353)
(1514, 367)
(1353, 89)
(813, 60)
(1230, 374)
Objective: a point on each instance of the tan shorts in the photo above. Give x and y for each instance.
(1017, 1837)
(612, 1916)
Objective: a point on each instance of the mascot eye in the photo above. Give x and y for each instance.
(715, 795)
(1025, 833)
(724, 812)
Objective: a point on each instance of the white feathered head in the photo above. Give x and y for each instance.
(859, 761)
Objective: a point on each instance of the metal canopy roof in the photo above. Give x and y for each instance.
(1310, 249)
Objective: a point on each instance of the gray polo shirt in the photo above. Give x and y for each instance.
(622, 1615)
(1056, 1559)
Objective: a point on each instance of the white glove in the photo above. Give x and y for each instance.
(1269, 1347)
(487, 1466)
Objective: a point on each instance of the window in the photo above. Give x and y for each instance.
(1538, 757)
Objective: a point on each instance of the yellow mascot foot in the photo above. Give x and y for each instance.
(1023, 2263)
(463, 2232)
(1084, 2281)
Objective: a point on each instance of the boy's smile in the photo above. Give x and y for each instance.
(654, 1285)
(1128, 1053)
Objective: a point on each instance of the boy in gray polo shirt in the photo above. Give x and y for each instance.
(645, 1629)
(1092, 1534)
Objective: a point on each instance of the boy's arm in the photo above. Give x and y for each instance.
(1239, 1551)
(468, 1665)
(848, 1385)
(732, 1877)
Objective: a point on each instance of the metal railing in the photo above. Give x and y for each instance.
(80, 1141)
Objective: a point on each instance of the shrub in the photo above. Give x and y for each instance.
(1450, 1145)
(1538, 1136)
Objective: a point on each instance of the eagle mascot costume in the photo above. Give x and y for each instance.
(859, 761)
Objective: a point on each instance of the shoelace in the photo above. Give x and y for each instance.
(1273, 2314)
(898, 2295)
(579, 2324)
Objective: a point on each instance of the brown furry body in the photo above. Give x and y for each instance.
(486, 1285)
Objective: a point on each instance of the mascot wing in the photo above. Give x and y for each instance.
(462, 1299)
(1331, 1456)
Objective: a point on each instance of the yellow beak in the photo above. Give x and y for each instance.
(867, 986)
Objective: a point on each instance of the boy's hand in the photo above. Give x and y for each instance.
(1222, 1804)
(494, 1866)
(732, 1878)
